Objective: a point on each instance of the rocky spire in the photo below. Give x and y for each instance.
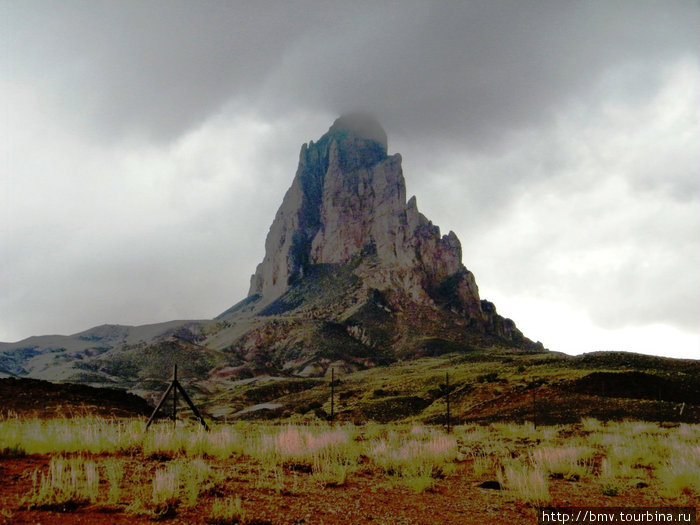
(349, 197)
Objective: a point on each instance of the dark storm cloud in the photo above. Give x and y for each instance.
(469, 71)
(476, 72)
(157, 68)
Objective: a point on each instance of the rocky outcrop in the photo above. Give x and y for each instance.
(348, 198)
(328, 198)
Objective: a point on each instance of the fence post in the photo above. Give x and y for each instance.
(174, 396)
(332, 394)
(175, 386)
(447, 390)
(534, 408)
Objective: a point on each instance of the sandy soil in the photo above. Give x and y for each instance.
(367, 497)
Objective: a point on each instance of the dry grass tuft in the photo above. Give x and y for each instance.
(68, 483)
(529, 484)
(227, 511)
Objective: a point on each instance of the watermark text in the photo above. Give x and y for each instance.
(616, 515)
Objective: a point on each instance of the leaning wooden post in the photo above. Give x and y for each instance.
(189, 402)
(160, 404)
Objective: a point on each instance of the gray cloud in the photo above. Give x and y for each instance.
(470, 71)
(477, 71)
(153, 68)
(148, 146)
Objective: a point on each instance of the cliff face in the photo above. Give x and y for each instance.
(348, 198)
(329, 196)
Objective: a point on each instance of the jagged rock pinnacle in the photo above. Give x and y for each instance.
(348, 203)
(347, 197)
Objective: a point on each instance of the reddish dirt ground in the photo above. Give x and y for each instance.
(367, 497)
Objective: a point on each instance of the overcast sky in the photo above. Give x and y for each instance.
(146, 147)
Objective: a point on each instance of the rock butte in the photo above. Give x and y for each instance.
(348, 203)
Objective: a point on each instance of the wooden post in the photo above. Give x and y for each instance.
(332, 394)
(603, 403)
(174, 396)
(447, 390)
(191, 405)
(160, 404)
(175, 386)
(534, 409)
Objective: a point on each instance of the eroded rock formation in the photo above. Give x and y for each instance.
(349, 198)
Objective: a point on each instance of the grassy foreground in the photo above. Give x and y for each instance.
(115, 465)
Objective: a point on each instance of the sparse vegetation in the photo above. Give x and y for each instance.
(67, 484)
(527, 482)
(227, 511)
(168, 472)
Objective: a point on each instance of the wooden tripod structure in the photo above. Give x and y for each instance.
(174, 387)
